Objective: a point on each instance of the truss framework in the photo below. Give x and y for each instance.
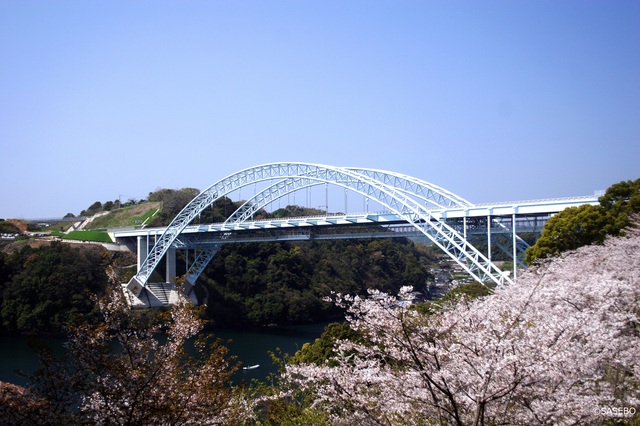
(203, 257)
(497, 226)
(410, 198)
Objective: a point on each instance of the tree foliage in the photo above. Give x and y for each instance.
(19, 406)
(571, 228)
(560, 347)
(293, 211)
(173, 201)
(619, 203)
(8, 228)
(122, 373)
(265, 283)
(322, 350)
(46, 288)
(578, 226)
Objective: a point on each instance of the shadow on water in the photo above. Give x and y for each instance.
(250, 346)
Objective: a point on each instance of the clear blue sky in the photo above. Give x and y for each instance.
(493, 100)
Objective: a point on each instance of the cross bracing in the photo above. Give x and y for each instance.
(408, 200)
(206, 244)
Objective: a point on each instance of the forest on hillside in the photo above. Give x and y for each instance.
(245, 285)
(277, 283)
(44, 288)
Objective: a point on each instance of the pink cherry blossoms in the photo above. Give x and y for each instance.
(559, 347)
(149, 382)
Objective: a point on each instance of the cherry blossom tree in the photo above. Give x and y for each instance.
(19, 406)
(559, 347)
(132, 371)
(152, 383)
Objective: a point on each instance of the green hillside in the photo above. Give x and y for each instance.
(135, 215)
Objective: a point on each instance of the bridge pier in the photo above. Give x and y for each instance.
(142, 294)
(489, 237)
(143, 250)
(514, 237)
(170, 259)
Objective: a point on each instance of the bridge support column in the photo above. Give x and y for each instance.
(489, 237)
(515, 251)
(143, 250)
(171, 265)
(464, 227)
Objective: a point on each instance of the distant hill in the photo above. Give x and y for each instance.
(12, 226)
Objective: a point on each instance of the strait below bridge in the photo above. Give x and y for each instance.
(413, 208)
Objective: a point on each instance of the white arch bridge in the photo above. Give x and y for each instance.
(412, 207)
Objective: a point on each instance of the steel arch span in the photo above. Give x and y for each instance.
(410, 198)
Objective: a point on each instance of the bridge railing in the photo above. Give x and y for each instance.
(540, 201)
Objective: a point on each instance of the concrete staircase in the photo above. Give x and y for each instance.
(156, 295)
(161, 291)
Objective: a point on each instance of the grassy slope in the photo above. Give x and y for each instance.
(127, 216)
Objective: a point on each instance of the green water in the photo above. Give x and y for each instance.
(251, 347)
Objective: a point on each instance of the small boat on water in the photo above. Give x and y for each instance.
(251, 367)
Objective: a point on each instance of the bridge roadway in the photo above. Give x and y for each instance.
(530, 215)
(527, 210)
(508, 218)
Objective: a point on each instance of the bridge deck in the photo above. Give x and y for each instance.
(520, 209)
